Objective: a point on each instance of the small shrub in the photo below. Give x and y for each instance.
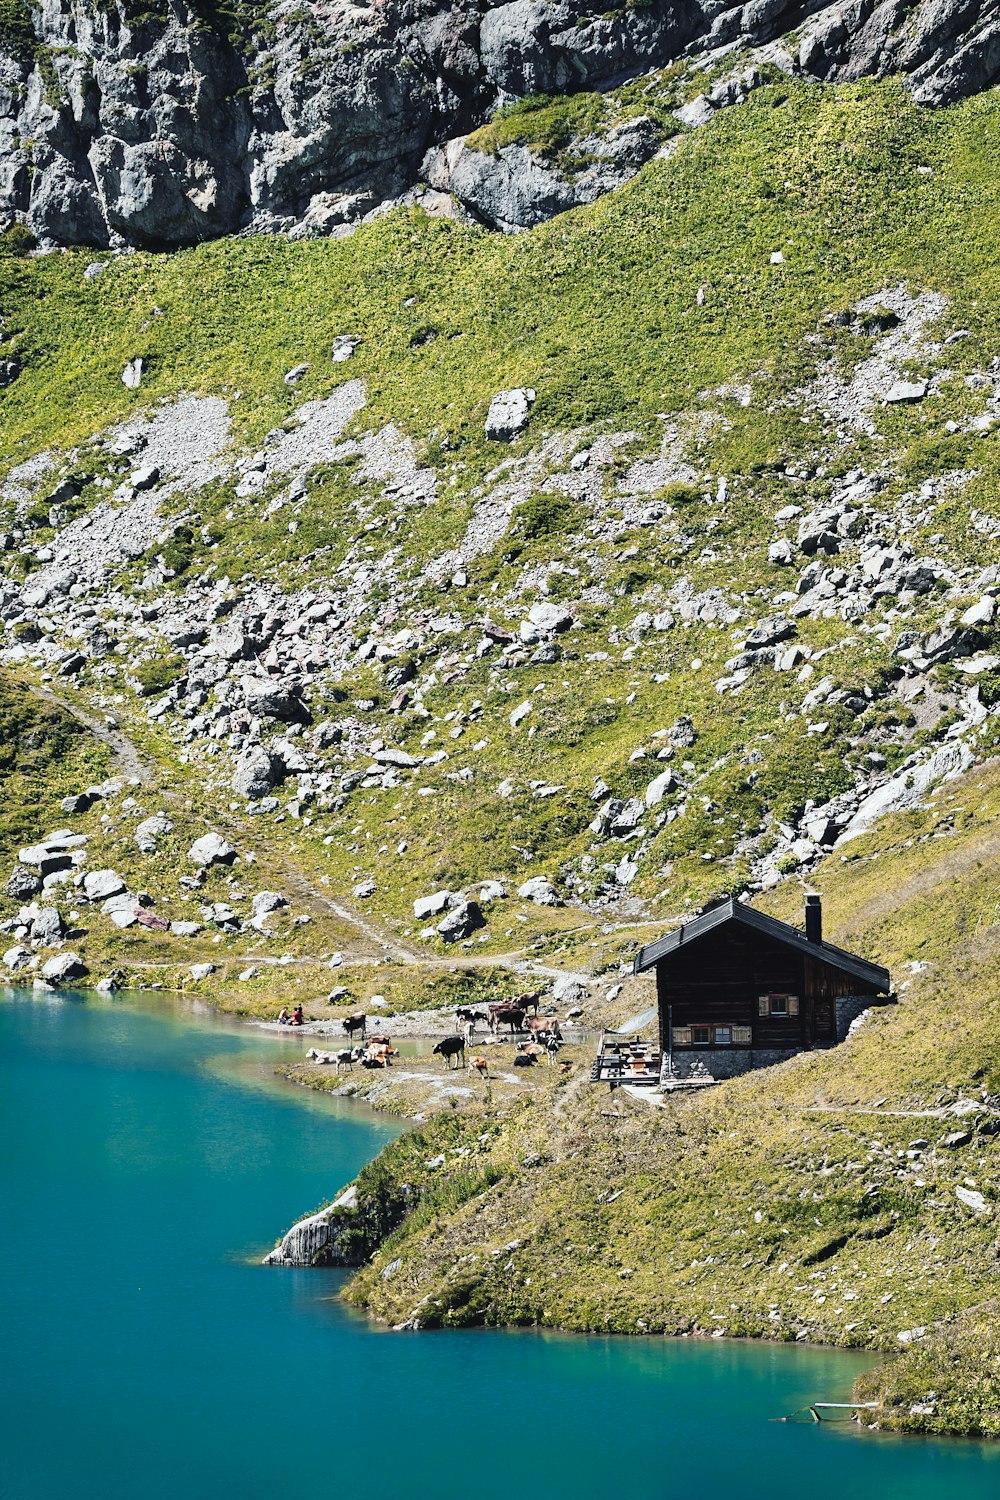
(18, 240)
(989, 688)
(157, 675)
(176, 554)
(679, 492)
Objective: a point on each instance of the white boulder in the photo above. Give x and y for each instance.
(211, 849)
(508, 414)
(99, 885)
(539, 890)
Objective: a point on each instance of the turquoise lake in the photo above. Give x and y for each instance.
(146, 1156)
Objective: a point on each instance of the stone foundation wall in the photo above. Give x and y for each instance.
(847, 1008)
(720, 1063)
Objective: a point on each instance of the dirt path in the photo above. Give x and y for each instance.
(518, 960)
(130, 762)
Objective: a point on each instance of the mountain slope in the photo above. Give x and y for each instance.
(723, 600)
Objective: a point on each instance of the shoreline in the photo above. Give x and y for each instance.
(378, 1095)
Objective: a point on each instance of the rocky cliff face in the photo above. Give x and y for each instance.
(124, 125)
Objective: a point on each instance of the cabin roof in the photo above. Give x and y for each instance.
(732, 910)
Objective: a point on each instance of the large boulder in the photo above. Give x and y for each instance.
(46, 925)
(211, 849)
(64, 966)
(185, 929)
(45, 859)
(123, 909)
(618, 817)
(257, 772)
(265, 902)
(78, 803)
(432, 905)
(99, 885)
(263, 905)
(508, 414)
(769, 632)
(539, 890)
(151, 830)
(546, 618)
(461, 922)
(269, 699)
(659, 788)
(23, 883)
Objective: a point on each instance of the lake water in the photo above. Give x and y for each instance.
(146, 1155)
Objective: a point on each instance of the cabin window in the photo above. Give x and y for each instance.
(701, 1036)
(742, 1036)
(723, 1036)
(778, 1005)
(682, 1036)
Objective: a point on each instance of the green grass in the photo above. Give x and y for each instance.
(834, 173)
(545, 123)
(45, 754)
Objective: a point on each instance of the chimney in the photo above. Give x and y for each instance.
(814, 919)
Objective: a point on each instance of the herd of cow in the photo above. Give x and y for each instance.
(544, 1037)
(544, 1034)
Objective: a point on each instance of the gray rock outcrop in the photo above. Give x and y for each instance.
(256, 773)
(513, 188)
(319, 1239)
(122, 125)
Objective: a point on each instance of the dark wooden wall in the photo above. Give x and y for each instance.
(717, 979)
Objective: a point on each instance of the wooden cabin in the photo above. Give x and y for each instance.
(738, 990)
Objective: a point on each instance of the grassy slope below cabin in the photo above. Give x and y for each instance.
(815, 1200)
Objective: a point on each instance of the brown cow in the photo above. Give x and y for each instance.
(544, 1026)
(507, 1015)
(351, 1024)
(531, 1000)
(379, 1053)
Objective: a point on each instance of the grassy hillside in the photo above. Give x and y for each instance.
(45, 753)
(814, 1200)
(858, 187)
(856, 191)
